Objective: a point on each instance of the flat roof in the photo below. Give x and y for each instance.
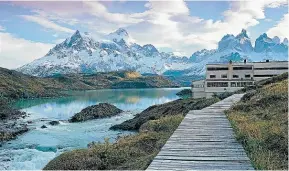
(242, 63)
(198, 80)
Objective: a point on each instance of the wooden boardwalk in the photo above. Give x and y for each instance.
(204, 141)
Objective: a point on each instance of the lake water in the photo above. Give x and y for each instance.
(34, 149)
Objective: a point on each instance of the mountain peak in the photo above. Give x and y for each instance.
(276, 39)
(285, 41)
(121, 31)
(120, 35)
(76, 34)
(240, 43)
(242, 34)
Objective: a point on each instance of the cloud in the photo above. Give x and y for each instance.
(170, 22)
(15, 52)
(281, 29)
(100, 11)
(46, 23)
(165, 24)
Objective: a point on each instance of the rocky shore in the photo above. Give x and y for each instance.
(10, 123)
(185, 93)
(177, 107)
(132, 152)
(95, 112)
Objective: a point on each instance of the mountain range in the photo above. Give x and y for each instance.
(81, 53)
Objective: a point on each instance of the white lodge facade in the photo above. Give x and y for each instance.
(230, 77)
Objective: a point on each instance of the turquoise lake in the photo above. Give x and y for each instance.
(34, 149)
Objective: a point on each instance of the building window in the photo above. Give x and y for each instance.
(235, 76)
(217, 68)
(224, 76)
(243, 68)
(241, 84)
(212, 76)
(217, 84)
(198, 86)
(264, 75)
(272, 68)
(247, 75)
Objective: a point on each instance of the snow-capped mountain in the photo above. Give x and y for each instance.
(240, 43)
(266, 44)
(237, 48)
(80, 53)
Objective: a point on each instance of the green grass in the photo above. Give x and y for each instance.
(260, 121)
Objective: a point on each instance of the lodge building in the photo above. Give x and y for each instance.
(230, 77)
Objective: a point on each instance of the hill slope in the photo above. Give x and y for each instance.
(16, 85)
(260, 121)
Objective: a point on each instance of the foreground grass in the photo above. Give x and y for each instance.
(129, 152)
(260, 121)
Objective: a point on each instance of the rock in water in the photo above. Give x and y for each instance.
(43, 126)
(53, 122)
(101, 110)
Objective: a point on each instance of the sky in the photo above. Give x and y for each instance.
(28, 29)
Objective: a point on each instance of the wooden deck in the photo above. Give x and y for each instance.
(204, 141)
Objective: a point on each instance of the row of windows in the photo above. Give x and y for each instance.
(217, 84)
(243, 68)
(226, 84)
(234, 76)
(198, 86)
(273, 68)
(264, 75)
(241, 84)
(226, 68)
(217, 68)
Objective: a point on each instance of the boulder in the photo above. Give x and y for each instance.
(53, 122)
(101, 110)
(43, 126)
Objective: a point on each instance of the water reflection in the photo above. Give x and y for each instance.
(127, 99)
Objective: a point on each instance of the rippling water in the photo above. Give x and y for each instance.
(34, 149)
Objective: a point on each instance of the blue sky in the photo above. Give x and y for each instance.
(177, 26)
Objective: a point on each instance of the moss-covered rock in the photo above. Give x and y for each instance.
(96, 111)
(185, 93)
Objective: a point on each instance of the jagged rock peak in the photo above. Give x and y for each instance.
(76, 33)
(121, 31)
(276, 40)
(150, 47)
(243, 34)
(119, 36)
(285, 41)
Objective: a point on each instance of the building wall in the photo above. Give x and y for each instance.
(198, 89)
(231, 77)
(269, 69)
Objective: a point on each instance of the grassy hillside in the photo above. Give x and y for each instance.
(260, 121)
(16, 85)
